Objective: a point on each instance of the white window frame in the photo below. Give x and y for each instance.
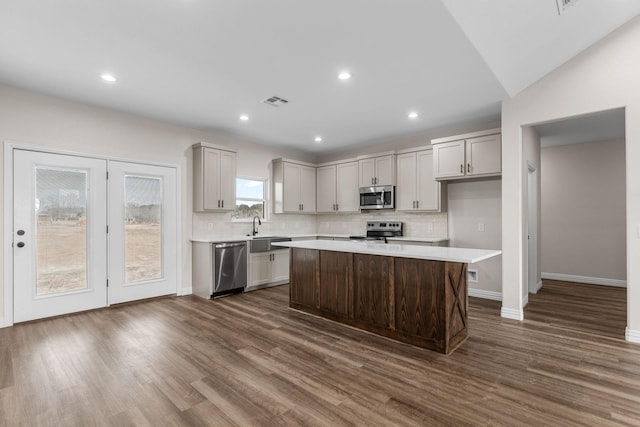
(265, 200)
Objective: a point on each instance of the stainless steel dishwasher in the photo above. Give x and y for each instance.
(229, 268)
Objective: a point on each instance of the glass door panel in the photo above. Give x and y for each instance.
(61, 230)
(142, 228)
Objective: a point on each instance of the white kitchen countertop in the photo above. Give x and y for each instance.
(316, 235)
(434, 253)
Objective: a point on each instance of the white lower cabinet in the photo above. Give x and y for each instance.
(268, 268)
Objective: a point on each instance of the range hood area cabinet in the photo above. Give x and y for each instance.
(338, 188)
(294, 187)
(477, 154)
(214, 178)
(377, 170)
(417, 190)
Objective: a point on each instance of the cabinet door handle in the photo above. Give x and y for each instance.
(302, 207)
(218, 203)
(223, 203)
(468, 167)
(337, 208)
(461, 168)
(417, 204)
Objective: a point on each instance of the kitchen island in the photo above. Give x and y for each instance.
(413, 294)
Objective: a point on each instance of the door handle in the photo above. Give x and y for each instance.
(20, 244)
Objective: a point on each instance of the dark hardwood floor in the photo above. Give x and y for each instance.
(249, 360)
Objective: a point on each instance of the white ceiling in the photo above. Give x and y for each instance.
(202, 63)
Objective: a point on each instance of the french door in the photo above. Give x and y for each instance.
(60, 239)
(142, 231)
(83, 241)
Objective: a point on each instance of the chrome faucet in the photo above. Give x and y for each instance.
(254, 231)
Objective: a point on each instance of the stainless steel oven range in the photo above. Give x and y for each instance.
(380, 231)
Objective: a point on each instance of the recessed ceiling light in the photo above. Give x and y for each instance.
(345, 75)
(318, 139)
(108, 78)
(413, 115)
(244, 117)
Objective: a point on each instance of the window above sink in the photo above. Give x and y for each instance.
(251, 199)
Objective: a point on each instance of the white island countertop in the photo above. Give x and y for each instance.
(240, 238)
(434, 253)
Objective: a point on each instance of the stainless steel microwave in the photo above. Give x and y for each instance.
(377, 197)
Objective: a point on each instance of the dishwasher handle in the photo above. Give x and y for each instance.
(230, 245)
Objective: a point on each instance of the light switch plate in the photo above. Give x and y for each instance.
(481, 226)
(429, 226)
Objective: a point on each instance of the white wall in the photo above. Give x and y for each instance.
(30, 118)
(470, 204)
(583, 210)
(602, 78)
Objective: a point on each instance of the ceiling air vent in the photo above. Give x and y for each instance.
(276, 101)
(563, 5)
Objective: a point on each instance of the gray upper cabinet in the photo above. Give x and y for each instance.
(337, 188)
(214, 178)
(477, 154)
(379, 170)
(417, 189)
(294, 187)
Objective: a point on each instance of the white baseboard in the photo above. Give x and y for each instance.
(632, 335)
(185, 291)
(584, 279)
(479, 293)
(4, 324)
(512, 313)
(525, 300)
(536, 288)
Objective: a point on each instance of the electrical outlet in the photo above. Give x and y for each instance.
(473, 275)
(481, 226)
(429, 226)
(210, 226)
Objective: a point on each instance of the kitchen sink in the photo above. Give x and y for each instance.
(263, 244)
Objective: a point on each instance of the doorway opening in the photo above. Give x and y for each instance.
(581, 240)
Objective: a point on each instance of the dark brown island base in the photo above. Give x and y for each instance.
(383, 289)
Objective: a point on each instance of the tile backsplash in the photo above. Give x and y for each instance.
(215, 225)
(415, 224)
